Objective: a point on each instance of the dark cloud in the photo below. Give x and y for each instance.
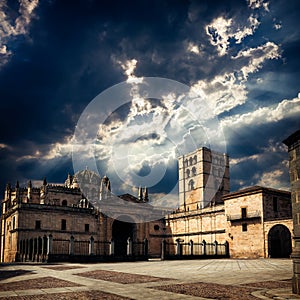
(71, 54)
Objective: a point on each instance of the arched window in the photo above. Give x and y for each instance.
(186, 163)
(194, 171)
(191, 161)
(187, 173)
(191, 185)
(64, 203)
(195, 159)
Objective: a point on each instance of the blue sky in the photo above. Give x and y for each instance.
(242, 57)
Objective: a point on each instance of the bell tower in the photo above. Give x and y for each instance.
(203, 178)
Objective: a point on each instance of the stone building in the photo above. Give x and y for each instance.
(34, 219)
(61, 219)
(293, 143)
(255, 222)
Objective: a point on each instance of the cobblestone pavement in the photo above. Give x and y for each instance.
(184, 279)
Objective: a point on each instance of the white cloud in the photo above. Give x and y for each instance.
(277, 26)
(222, 93)
(256, 57)
(52, 151)
(273, 179)
(20, 26)
(222, 30)
(257, 4)
(284, 109)
(193, 48)
(128, 67)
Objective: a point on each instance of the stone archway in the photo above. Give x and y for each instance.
(121, 231)
(279, 241)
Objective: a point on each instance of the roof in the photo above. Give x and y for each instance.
(254, 190)
(294, 137)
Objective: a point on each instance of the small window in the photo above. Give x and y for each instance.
(195, 159)
(156, 227)
(63, 224)
(37, 224)
(191, 185)
(275, 204)
(86, 227)
(194, 171)
(64, 203)
(244, 212)
(13, 222)
(244, 227)
(187, 173)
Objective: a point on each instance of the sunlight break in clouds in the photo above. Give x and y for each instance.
(256, 4)
(221, 30)
(286, 108)
(8, 31)
(128, 67)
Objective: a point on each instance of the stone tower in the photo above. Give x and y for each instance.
(203, 178)
(293, 143)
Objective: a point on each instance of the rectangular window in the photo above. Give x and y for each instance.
(244, 227)
(86, 227)
(244, 212)
(63, 224)
(37, 224)
(275, 204)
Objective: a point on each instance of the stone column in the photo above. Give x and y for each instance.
(293, 143)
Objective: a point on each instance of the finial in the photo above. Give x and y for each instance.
(17, 184)
(140, 194)
(146, 194)
(29, 185)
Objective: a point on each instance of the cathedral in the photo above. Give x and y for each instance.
(69, 222)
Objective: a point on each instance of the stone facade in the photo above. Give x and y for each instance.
(254, 222)
(203, 178)
(31, 215)
(293, 143)
(251, 213)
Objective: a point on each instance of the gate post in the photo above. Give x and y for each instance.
(71, 245)
(204, 247)
(129, 246)
(49, 244)
(226, 249)
(163, 249)
(216, 247)
(112, 247)
(191, 247)
(178, 247)
(91, 246)
(146, 247)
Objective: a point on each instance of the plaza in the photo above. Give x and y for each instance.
(154, 279)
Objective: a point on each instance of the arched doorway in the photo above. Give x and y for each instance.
(279, 241)
(121, 231)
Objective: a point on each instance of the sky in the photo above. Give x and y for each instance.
(62, 63)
